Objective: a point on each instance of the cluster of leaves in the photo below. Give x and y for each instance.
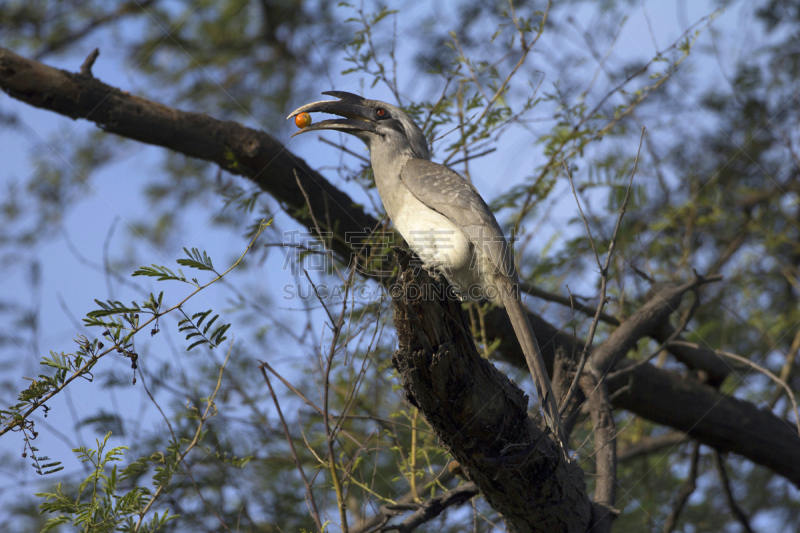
(121, 323)
(101, 508)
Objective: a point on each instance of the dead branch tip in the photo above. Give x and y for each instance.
(86, 68)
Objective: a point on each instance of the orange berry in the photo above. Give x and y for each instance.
(303, 120)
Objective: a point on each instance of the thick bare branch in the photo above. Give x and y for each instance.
(695, 358)
(235, 148)
(717, 420)
(759, 368)
(605, 447)
(656, 311)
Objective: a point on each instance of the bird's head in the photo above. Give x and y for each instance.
(369, 120)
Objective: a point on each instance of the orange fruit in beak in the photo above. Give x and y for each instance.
(303, 120)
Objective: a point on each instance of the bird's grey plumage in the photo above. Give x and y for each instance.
(446, 192)
(442, 217)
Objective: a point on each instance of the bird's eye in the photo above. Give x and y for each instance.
(381, 112)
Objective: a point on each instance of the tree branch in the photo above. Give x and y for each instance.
(86, 68)
(694, 358)
(666, 397)
(602, 413)
(427, 510)
(233, 147)
(655, 311)
(377, 521)
(479, 415)
(759, 368)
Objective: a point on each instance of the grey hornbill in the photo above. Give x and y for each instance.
(441, 216)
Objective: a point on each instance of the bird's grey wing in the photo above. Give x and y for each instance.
(444, 191)
(447, 193)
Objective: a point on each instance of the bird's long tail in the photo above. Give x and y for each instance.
(533, 356)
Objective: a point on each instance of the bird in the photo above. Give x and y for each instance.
(441, 215)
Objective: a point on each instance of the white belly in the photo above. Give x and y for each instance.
(437, 241)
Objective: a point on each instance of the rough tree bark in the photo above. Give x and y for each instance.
(480, 416)
(662, 396)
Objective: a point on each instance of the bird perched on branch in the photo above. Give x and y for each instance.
(441, 216)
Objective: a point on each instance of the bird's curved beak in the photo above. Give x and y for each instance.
(349, 105)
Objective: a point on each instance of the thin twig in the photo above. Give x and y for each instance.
(330, 434)
(557, 151)
(473, 156)
(124, 9)
(441, 98)
(603, 276)
(564, 406)
(687, 488)
(583, 216)
(374, 523)
(182, 455)
(786, 370)
(647, 445)
(427, 510)
(726, 485)
(570, 302)
(321, 301)
(526, 48)
(346, 150)
(20, 418)
(314, 220)
(392, 84)
(312, 503)
(448, 132)
(619, 392)
(412, 460)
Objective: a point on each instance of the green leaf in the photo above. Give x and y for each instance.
(197, 260)
(162, 273)
(198, 343)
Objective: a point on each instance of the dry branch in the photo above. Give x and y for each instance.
(233, 147)
(425, 511)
